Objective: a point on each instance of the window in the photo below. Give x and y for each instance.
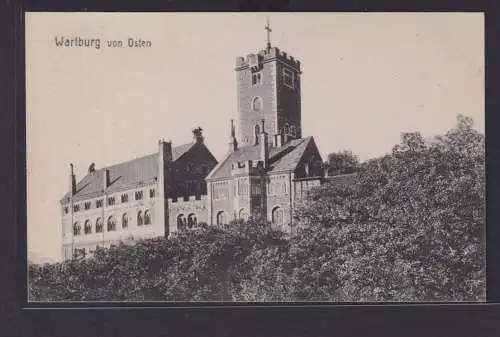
(138, 195)
(286, 129)
(243, 214)
(181, 222)
(66, 210)
(288, 78)
(256, 79)
(152, 193)
(111, 224)
(192, 221)
(221, 218)
(87, 205)
(140, 220)
(277, 216)
(76, 208)
(147, 217)
(124, 198)
(111, 200)
(98, 203)
(257, 104)
(124, 220)
(77, 229)
(256, 131)
(98, 225)
(87, 228)
(79, 253)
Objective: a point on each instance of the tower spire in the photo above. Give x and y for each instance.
(268, 30)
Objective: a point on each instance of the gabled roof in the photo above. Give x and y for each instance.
(124, 175)
(284, 158)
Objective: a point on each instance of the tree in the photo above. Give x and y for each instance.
(412, 228)
(342, 162)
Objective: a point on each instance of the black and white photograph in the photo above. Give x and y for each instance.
(255, 157)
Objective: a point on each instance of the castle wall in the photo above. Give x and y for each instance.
(104, 239)
(194, 205)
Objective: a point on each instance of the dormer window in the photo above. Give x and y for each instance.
(288, 78)
(256, 79)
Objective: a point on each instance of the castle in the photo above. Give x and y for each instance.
(266, 169)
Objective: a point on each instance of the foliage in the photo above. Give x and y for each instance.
(342, 162)
(410, 229)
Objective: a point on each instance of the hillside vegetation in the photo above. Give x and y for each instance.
(412, 228)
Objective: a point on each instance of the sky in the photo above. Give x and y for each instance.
(367, 77)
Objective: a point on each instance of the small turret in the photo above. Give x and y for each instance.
(72, 180)
(233, 143)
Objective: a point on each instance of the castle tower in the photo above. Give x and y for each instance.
(268, 88)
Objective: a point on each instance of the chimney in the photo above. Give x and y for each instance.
(264, 146)
(72, 180)
(198, 135)
(106, 179)
(164, 150)
(233, 143)
(278, 140)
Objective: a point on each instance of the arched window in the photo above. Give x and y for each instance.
(140, 220)
(192, 221)
(243, 214)
(181, 222)
(221, 218)
(111, 224)
(257, 104)
(286, 129)
(277, 216)
(87, 228)
(293, 132)
(77, 229)
(98, 225)
(124, 220)
(147, 217)
(256, 132)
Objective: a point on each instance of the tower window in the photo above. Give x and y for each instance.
(152, 193)
(87, 205)
(138, 195)
(124, 197)
(288, 78)
(257, 104)
(98, 203)
(111, 200)
(256, 79)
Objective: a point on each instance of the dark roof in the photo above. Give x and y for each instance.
(284, 158)
(124, 175)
